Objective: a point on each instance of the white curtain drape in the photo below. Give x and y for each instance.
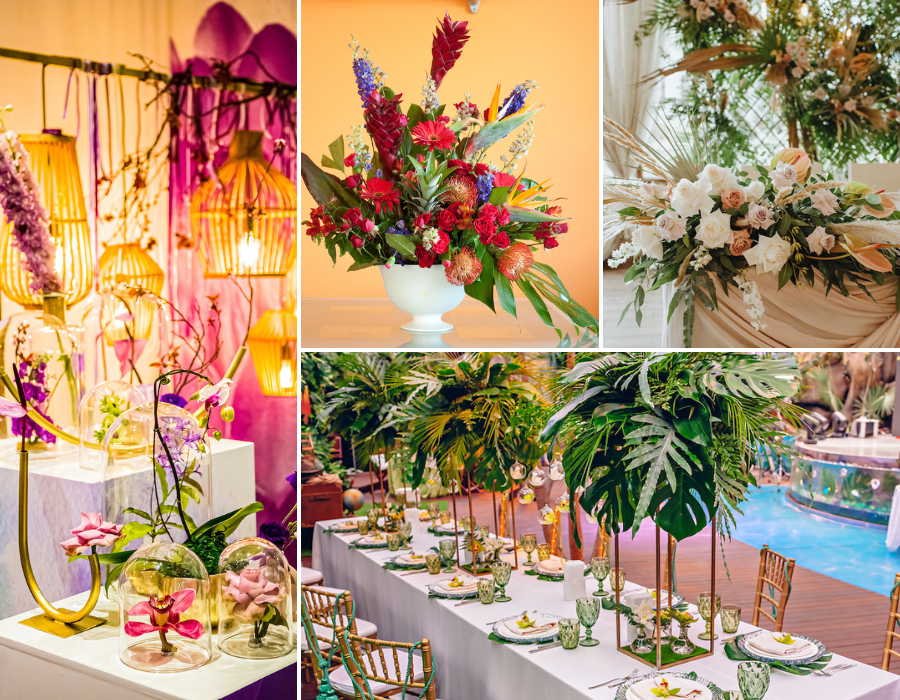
(625, 99)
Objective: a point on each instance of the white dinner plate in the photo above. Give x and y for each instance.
(710, 690)
(506, 634)
(816, 650)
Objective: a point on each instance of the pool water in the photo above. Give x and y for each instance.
(843, 550)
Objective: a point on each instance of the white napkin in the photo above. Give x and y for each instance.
(574, 586)
(370, 539)
(408, 558)
(345, 526)
(553, 565)
(688, 689)
(468, 586)
(446, 527)
(765, 643)
(542, 627)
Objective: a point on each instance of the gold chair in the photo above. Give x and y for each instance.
(384, 665)
(776, 571)
(890, 635)
(320, 605)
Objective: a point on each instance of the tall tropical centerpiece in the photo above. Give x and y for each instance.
(670, 436)
(427, 206)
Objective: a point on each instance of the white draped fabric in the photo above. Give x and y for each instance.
(795, 318)
(469, 665)
(625, 98)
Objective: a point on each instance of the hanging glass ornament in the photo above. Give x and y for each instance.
(546, 516)
(525, 496)
(537, 477)
(563, 503)
(556, 470)
(517, 471)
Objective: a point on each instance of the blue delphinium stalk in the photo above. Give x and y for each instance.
(365, 80)
(484, 185)
(516, 99)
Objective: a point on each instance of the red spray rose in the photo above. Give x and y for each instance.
(357, 241)
(442, 244)
(368, 226)
(422, 220)
(446, 220)
(484, 228)
(426, 257)
(353, 181)
(503, 217)
(501, 240)
(350, 161)
(488, 211)
(353, 216)
(550, 242)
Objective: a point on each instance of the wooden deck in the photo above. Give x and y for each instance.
(849, 620)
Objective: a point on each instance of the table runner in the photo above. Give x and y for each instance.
(469, 665)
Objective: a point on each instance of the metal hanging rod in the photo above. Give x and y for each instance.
(98, 68)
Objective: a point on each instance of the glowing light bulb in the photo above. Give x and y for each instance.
(804, 10)
(58, 262)
(286, 375)
(248, 251)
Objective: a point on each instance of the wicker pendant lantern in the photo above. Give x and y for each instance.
(55, 166)
(132, 265)
(248, 225)
(290, 289)
(273, 347)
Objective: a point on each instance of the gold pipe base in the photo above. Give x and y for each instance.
(47, 624)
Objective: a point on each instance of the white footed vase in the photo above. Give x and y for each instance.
(424, 293)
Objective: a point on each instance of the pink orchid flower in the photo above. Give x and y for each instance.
(93, 531)
(12, 409)
(165, 616)
(215, 394)
(252, 591)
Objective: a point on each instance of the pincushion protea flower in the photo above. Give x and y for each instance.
(433, 135)
(447, 46)
(515, 261)
(385, 122)
(464, 267)
(381, 192)
(461, 188)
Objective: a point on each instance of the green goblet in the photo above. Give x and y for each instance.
(372, 517)
(600, 569)
(501, 571)
(434, 512)
(529, 544)
(708, 612)
(753, 679)
(447, 548)
(588, 610)
(405, 534)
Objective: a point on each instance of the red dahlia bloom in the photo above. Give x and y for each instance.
(425, 257)
(381, 192)
(433, 135)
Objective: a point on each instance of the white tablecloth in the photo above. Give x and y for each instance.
(59, 491)
(469, 665)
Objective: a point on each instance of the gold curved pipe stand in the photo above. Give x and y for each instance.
(56, 621)
(72, 439)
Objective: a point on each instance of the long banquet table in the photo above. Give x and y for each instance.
(469, 665)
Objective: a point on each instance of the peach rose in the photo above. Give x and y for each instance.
(741, 242)
(732, 198)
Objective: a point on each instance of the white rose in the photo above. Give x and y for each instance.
(784, 175)
(752, 173)
(819, 241)
(769, 255)
(689, 198)
(671, 226)
(754, 191)
(717, 179)
(760, 216)
(714, 230)
(649, 240)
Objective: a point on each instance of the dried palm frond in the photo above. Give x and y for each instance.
(874, 117)
(705, 60)
(673, 158)
(883, 232)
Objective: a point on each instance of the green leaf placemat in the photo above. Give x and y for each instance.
(541, 577)
(494, 638)
(468, 567)
(391, 566)
(668, 656)
(733, 652)
(441, 534)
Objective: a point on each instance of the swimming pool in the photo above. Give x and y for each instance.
(855, 553)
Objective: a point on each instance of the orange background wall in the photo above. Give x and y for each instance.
(555, 42)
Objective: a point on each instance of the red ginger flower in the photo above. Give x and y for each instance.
(381, 192)
(515, 261)
(433, 135)
(464, 267)
(385, 122)
(447, 46)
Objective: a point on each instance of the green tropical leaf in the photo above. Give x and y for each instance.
(493, 132)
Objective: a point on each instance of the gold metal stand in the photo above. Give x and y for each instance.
(55, 621)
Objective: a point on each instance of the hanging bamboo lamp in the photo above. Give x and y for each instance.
(55, 166)
(126, 316)
(132, 265)
(290, 289)
(273, 347)
(248, 225)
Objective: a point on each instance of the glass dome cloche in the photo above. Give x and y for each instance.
(130, 445)
(255, 608)
(164, 624)
(98, 411)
